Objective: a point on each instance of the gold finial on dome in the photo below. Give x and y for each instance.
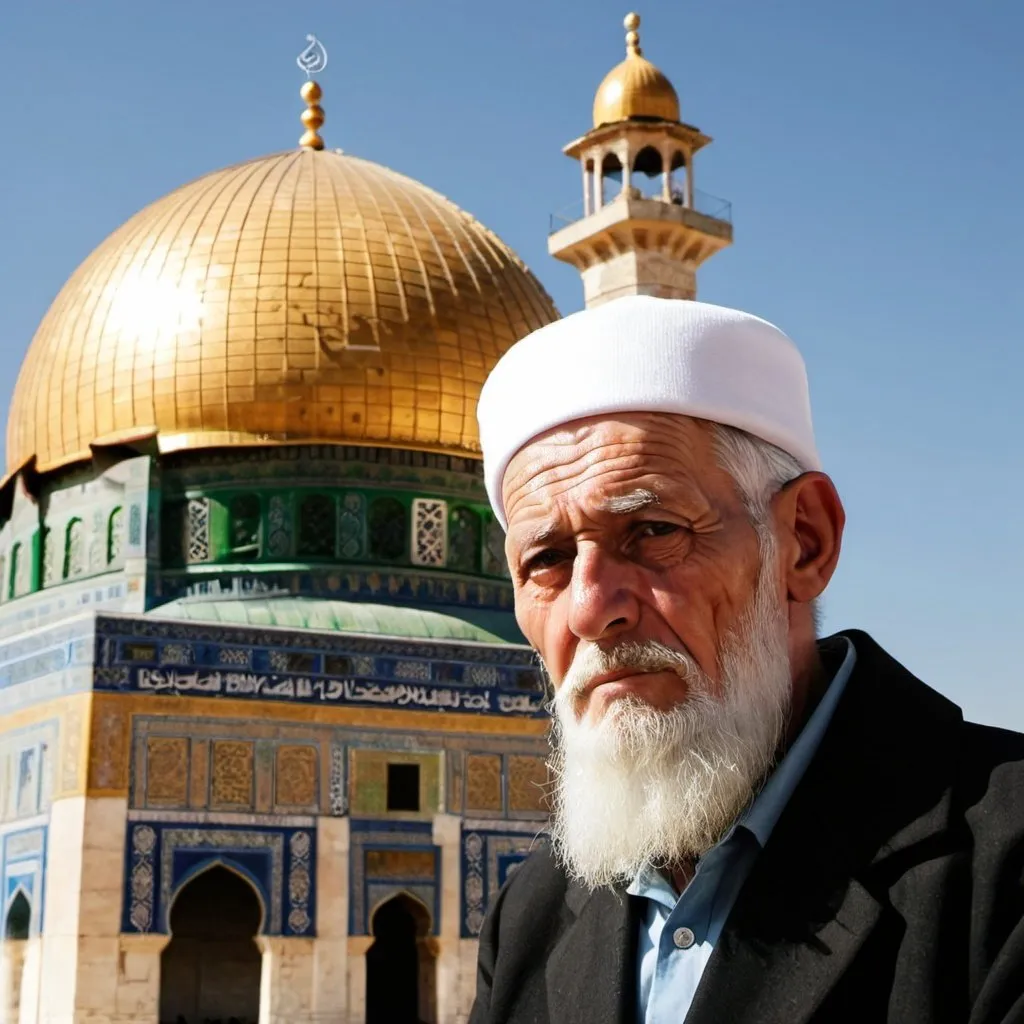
(635, 90)
(312, 60)
(631, 23)
(312, 116)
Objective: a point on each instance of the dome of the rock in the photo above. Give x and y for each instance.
(304, 297)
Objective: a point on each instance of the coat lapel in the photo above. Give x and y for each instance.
(591, 973)
(875, 794)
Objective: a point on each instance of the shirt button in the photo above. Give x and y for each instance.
(683, 938)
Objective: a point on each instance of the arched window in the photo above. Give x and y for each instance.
(388, 529)
(115, 535)
(464, 540)
(74, 549)
(245, 514)
(317, 526)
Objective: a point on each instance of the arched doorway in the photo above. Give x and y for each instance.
(211, 968)
(400, 978)
(12, 964)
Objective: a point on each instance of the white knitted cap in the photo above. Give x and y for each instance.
(642, 354)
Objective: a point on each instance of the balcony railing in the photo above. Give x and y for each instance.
(703, 203)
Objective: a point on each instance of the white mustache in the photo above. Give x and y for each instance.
(591, 661)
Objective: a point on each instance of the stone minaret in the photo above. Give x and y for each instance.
(645, 229)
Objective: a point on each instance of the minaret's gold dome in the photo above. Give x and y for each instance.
(634, 89)
(304, 297)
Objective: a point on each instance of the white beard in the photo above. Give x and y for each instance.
(648, 788)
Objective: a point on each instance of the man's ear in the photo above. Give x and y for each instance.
(809, 521)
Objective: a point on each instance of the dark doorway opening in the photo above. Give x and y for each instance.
(12, 958)
(403, 787)
(400, 982)
(211, 969)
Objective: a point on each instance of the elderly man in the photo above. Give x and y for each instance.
(749, 823)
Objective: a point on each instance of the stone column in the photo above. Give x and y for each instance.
(28, 1011)
(330, 977)
(82, 914)
(688, 157)
(138, 978)
(286, 980)
(357, 948)
(448, 835)
(666, 173)
(624, 159)
(12, 965)
(587, 210)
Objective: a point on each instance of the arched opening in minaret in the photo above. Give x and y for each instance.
(211, 968)
(12, 955)
(611, 178)
(653, 179)
(400, 965)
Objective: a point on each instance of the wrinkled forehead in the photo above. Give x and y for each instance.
(593, 462)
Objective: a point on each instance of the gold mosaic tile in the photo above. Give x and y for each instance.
(527, 783)
(256, 305)
(232, 774)
(483, 782)
(167, 771)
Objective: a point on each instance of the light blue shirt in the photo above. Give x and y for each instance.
(678, 935)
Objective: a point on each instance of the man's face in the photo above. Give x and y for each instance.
(628, 530)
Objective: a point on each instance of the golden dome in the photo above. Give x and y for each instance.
(635, 89)
(303, 297)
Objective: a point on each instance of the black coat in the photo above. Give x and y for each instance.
(891, 890)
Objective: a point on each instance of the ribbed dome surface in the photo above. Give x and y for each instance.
(302, 297)
(635, 89)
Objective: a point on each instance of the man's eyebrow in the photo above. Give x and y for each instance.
(538, 535)
(635, 501)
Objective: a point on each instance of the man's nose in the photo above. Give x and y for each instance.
(602, 602)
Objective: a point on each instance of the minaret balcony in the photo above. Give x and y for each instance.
(707, 212)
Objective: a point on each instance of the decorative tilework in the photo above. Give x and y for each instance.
(300, 882)
(394, 838)
(167, 760)
(488, 858)
(162, 857)
(412, 670)
(338, 789)
(352, 526)
(295, 775)
(108, 745)
(232, 784)
(429, 532)
(198, 525)
(142, 848)
(527, 783)
(483, 783)
(176, 654)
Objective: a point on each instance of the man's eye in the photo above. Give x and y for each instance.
(544, 560)
(657, 529)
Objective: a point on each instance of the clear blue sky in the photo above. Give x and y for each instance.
(871, 150)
